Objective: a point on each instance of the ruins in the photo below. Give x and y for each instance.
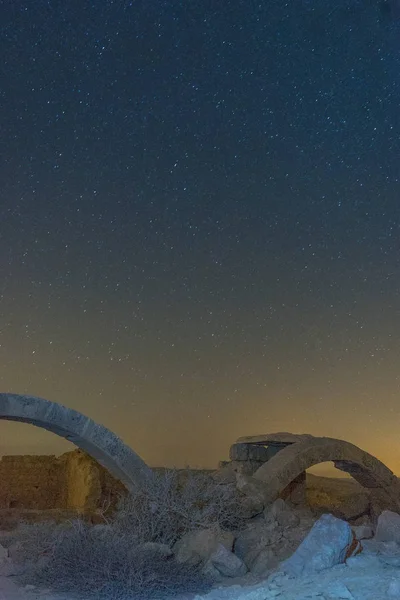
(96, 440)
(280, 461)
(103, 467)
(73, 482)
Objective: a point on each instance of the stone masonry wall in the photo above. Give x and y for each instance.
(89, 486)
(34, 482)
(72, 481)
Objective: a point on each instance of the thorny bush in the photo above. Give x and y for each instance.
(109, 562)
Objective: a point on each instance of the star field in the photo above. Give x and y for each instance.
(200, 211)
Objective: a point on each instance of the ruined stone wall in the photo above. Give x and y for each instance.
(34, 482)
(90, 487)
(82, 481)
(72, 481)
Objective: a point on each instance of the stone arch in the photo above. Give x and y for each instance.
(295, 458)
(98, 441)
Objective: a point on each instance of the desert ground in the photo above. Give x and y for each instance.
(369, 571)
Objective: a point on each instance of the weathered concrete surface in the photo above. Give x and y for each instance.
(263, 447)
(291, 461)
(98, 441)
(281, 437)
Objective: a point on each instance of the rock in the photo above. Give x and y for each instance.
(227, 563)
(339, 591)
(354, 506)
(364, 520)
(251, 487)
(211, 572)
(347, 507)
(388, 527)
(354, 548)
(325, 546)
(196, 547)
(252, 507)
(282, 513)
(393, 590)
(254, 538)
(363, 532)
(264, 562)
(239, 452)
(364, 561)
(380, 502)
(296, 491)
(225, 475)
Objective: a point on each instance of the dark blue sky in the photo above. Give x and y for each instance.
(200, 220)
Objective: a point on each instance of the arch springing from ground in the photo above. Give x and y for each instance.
(98, 441)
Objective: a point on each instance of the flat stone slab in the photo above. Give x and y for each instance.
(282, 437)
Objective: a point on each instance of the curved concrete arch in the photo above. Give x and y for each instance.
(98, 441)
(293, 460)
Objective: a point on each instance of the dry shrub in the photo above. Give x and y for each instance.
(32, 541)
(107, 562)
(176, 502)
(103, 564)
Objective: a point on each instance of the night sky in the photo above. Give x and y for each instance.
(199, 221)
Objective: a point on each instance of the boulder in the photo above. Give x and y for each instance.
(251, 507)
(325, 546)
(355, 506)
(292, 537)
(380, 502)
(363, 532)
(226, 563)
(196, 547)
(393, 590)
(388, 527)
(282, 513)
(211, 572)
(348, 507)
(251, 487)
(256, 537)
(264, 562)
